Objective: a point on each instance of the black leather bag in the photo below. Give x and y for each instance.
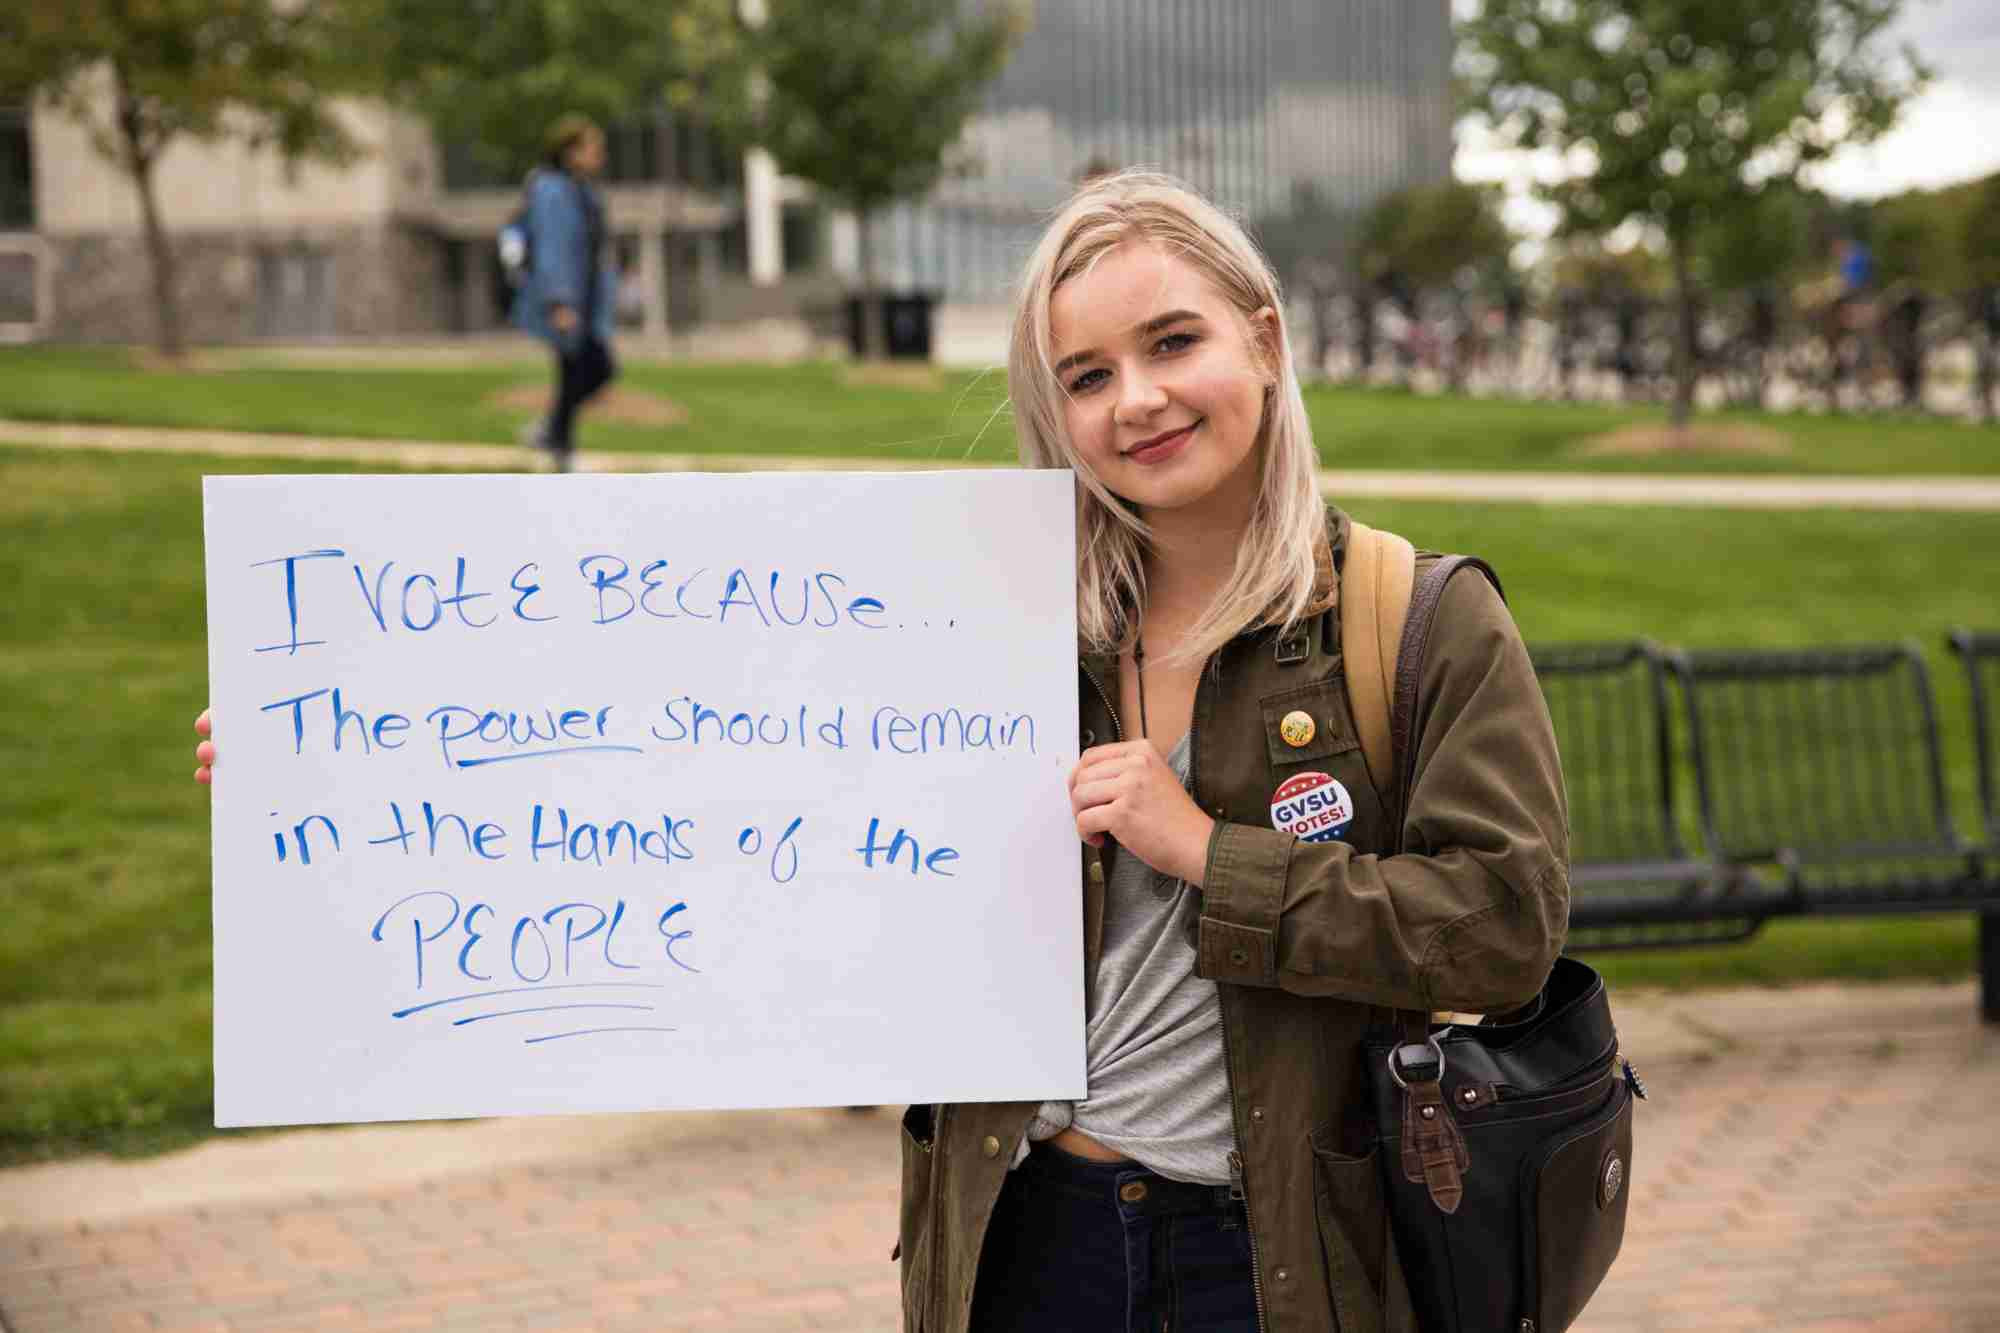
(1506, 1146)
(1507, 1157)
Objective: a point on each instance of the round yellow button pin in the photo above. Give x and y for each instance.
(1297, 729)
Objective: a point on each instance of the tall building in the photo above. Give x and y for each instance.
(1294, 114)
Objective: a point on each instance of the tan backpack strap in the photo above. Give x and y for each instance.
(1375, 586)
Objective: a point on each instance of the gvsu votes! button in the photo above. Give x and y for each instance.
(1312, 806)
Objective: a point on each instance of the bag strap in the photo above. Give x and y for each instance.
(1410, 670)
(1375, 588)
(1382, 603)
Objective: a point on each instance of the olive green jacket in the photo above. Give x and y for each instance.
(1311, 943)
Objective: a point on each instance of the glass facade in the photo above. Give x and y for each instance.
(17, 172)
(638, 151)
(1293, 114)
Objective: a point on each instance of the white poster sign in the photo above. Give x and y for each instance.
(552, 794)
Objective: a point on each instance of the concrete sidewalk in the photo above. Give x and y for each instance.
(1725, 490)
(1823, 1158)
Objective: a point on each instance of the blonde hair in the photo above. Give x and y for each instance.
(1272, 581)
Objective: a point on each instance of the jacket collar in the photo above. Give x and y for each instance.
(1327, 554)
(1326, 581)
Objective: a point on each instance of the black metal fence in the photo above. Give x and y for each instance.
(1899, 347)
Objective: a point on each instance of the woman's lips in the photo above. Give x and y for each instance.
(1160, 450)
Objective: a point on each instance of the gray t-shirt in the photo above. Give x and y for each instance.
(1158, 1089)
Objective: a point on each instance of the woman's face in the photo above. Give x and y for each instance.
(1165, 390)
(586, 155)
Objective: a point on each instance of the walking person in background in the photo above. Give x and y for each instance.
(568, 296)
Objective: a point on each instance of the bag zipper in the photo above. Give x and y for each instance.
(1597, 1069)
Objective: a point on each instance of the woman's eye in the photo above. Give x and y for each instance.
(1175, 342)
(1087, 381)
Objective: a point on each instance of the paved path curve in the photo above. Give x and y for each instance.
(1973, 494)
(1821, 1159)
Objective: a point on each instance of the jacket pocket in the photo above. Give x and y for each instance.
(913, 1238)
(1354, 1236)
(1573, 1201)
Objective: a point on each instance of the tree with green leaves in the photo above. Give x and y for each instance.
(1445, 238)
(1766, 240)
(495, 74)
(141, 77)
(1433, 235)
(868, 99)
(1671, 113)
(1979, 233)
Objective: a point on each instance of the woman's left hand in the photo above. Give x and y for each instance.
(1129, 792)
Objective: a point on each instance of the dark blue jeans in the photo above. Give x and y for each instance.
(1109, 1247)
(582, 368)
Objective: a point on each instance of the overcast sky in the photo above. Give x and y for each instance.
(1950, 134)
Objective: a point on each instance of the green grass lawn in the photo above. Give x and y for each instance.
(821, 408)
(104, 967)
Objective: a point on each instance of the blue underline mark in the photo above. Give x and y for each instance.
(543, 1009)
(528, 990)
(585, 1032)
(544, 754)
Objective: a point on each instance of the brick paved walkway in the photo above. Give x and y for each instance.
(1822, 1159)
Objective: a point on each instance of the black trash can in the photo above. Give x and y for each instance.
(906, 322)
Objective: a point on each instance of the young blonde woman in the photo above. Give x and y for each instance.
(1219, 1174)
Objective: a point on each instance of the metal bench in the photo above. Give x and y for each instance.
(1979, 652)
(1634, 880)
(1815, 785)
(1823, 775)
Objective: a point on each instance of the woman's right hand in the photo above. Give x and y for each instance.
(204, 753)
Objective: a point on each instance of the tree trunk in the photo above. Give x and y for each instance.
(1983, 339)
(874, 310)
(166, 308)
(140, 158)
(1684, 335)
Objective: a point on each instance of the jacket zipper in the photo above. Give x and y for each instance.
(1240, 1195)
(1237, 1188)
(1117, 727)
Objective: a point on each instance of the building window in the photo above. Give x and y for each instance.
(802, 231)
(18, 275)
(17, 172)
(636, 152)
(632, 153)
(734, 247)
(466, 168)
(295, 293)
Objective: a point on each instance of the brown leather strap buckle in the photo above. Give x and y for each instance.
(1434, 1150)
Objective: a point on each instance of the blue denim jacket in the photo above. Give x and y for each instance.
(558, 231)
